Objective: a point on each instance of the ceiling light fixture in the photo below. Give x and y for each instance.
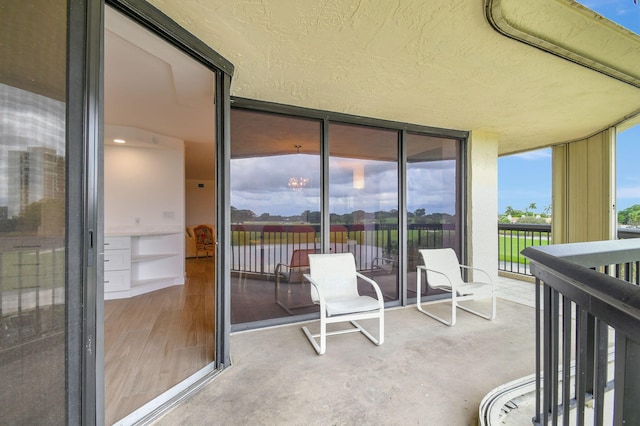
(298, 183)
(119, 140)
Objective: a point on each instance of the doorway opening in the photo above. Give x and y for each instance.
(159, 184)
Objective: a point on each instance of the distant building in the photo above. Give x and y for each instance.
(35, 175)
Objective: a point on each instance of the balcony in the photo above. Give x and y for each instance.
(424, 373)
(427, 372)
(514, 238)
(570, 363)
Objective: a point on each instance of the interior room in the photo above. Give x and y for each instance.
(159, 184)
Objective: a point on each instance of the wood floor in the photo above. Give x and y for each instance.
(156, 340)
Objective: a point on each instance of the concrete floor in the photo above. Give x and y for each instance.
(424, 374)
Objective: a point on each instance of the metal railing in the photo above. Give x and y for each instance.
(589, 292)
(258, 249)
(32, 294)
(627, 233)
(513, 238)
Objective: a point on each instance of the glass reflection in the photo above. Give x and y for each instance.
(363, 201)
(275, 213)
(433, 201)
(32, 257)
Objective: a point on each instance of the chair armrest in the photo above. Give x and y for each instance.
(277, 271)
(380, 259)
(424, 268)
(318, 291)
(384, 262)
(479, 270)
(375, 286)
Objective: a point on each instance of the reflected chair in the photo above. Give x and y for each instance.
(444, 272)
(385, 265)
(292, 273)
(334, 286)
(204, 240)
(338, 238)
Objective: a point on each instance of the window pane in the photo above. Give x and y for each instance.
(433, 199)
(159, 186)
(363, 201)
(32, 212)
(275, 213)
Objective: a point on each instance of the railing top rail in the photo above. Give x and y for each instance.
(628, 233)
(596, 253)
(608, 298)
(525, 226)
(354, 227)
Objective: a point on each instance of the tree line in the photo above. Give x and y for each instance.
(630, 216)
(419, 216)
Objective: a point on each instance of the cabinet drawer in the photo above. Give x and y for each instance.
(116, 280)
(117, 259)
(114, 243)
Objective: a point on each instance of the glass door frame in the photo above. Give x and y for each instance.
(461, 137)
(85, 129)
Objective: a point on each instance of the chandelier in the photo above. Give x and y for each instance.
(297, 183)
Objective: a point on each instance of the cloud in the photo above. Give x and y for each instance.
(538, 154)
(628, 192)
(260, 184)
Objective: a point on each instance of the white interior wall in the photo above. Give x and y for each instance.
(482, 196)
(200, 202)
(144, 186)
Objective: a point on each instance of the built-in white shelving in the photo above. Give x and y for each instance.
(139, 263)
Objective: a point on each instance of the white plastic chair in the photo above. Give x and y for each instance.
(334, 286)
(444, 273)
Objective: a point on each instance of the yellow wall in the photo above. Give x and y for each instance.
(584, 189)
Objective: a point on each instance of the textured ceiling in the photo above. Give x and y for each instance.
(435, 63)
(36, 61)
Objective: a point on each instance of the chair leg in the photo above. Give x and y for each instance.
(323, 336)
(489, 317)
(312, 340)
(321, 348)
(282, 304)
(450, 323)
(429, 314)
(379, 340)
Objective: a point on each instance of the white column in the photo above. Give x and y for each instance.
(482, 202)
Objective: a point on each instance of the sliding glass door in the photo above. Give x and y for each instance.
(434, 216)
(363, 201)
(297, 172)
(159, 200)
(33, 188)
(275, 213)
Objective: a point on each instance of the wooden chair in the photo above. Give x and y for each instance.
(204, 240)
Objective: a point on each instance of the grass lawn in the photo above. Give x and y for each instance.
(509, 247)
(30, 269)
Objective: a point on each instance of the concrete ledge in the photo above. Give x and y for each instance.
(519, 277)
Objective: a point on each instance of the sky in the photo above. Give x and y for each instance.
(525, 178)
